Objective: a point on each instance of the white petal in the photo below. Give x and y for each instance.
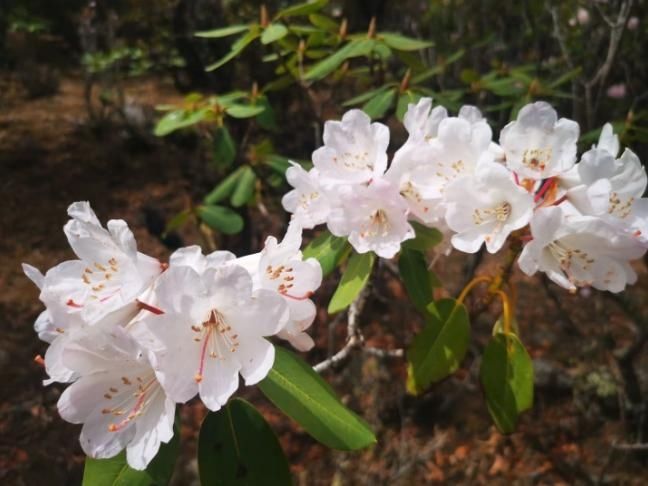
(256, 357)
(220, 381)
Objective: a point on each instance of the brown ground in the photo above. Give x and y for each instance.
(49, 158)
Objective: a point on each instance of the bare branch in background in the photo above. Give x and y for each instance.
(354, 336)
(616, 33)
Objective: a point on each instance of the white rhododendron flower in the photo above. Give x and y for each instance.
(459, 148)
(280, 267)
(308, 200)
(212, 329)
(414, 173)
(109, 275)
(537, 144)
(100, 287)
(354, 150)
(486, 207)
(373, 217)
(422, 121)
(425, 165)
(612, 188)
(117, 398)
(576, 251)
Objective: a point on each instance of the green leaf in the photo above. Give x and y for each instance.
(238, 46)
(328, 250)
(506, 374)
(377, 106)
(221, 219)
(437, 351)
(323, 22)
(222, 32)
(224, 147)
(361, 98)
(402, 43)
(304, 396)
(266, 119)
(277, 163)
(174, 120)
(355, 48)
(273, 32)
(177, 221)
(416, 277)
(425, 239)
(244, 188)
(305, 8)
(225, 188)
(353, 280)
(236, 446)
(244, 111)
(116, 471)
(568, 76)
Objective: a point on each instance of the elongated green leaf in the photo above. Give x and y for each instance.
(355, 48)
(328, 250)
(224, 147)
(416, 277)
(222, 32)
(116, 471)
(437, 351)
(506, 374)
(323, 22)
(304, 396)
(353, 280)
(266, 119)
(363, 97)
(225, 188)
(377, 106)
(236, 446)
(244, 111)
(238, 46)
(244, 187)
(425, 239)
(273, 32)
(277, 163)
(402, 43)
(221, 219)
(177, 221)
(305, 8)
(568, 76)
(174, 120)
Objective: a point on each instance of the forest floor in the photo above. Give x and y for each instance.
(585, 401)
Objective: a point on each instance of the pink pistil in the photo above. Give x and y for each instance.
(150, 308)
(546, 185)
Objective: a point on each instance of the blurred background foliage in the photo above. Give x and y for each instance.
(119, 101)
(257, 73)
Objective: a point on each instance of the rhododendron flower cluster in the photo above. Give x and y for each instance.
(135, 336)
(581, 221)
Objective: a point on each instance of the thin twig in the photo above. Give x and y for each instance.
(617, 29)
(384, 353)
(631, 447)
(354, 336)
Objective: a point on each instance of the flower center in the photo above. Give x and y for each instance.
(100, 279)
(217, 340)
(619, 208)
(499, 213)
(570, 258)
(354, 161)
(307, 198)
(537, 159)
(378, 224)
(135, 395)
